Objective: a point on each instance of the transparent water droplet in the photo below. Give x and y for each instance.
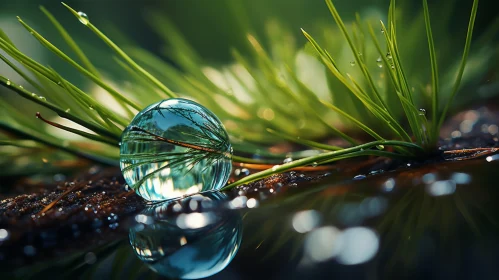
(360, 54)
(91, 107)
(8, 82)
(245, 172)
(83, 18)
(314, 164)
(352, 63)
(287, 160)
(359, 177)
(389, 55)
(382, 31)
(422, 112)
(42, 98)
(379, 62)
(380, 147)
(21, 87)
(393, 66)
(173, 148)
(67, 110)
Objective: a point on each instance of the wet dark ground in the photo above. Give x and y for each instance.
(381, 220)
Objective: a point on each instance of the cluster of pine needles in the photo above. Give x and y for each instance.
(373, 99)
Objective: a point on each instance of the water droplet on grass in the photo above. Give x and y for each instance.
(8, 82)
(352, 63)
(389, 55)
(83, 18)
(42, 98)
(422, 112)
(173, 148)
(379, 62)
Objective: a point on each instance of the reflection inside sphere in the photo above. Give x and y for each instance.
(189, 238)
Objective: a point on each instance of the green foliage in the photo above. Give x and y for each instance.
(366, 87)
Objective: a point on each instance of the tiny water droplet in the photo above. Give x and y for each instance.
(382, 31)
(83, 18)
(314, 164)
(8, 82)
(352, 63)
(380, 147)
(42, 98)
(389, 55)
(287, 160)
(422, 112)
(393, 66)
(34, 94)
(91, 107)
(20, 86)
(379, 62)
(359, 177)
(360, 54)
(67, 110)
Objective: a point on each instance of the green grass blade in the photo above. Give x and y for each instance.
(433, 61)
(405, 90)
(104, 115)
(81, 133)
(82, 70)
(459, 76)
(358, 92)
(122, 54)
(71, 43)
(21, 73)
(21, 133)
(61, 112)
(356, 54)
(4, 36)
(354, 120)
(304, 142)
(314, 159)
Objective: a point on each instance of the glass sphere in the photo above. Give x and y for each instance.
(181, 243)
(173, 148)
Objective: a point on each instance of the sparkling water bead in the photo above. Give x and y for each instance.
(173, 148)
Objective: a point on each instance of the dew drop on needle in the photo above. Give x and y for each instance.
(379, 62)
(175, 147)
(83, 18)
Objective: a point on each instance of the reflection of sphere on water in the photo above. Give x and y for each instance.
(189, 239)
